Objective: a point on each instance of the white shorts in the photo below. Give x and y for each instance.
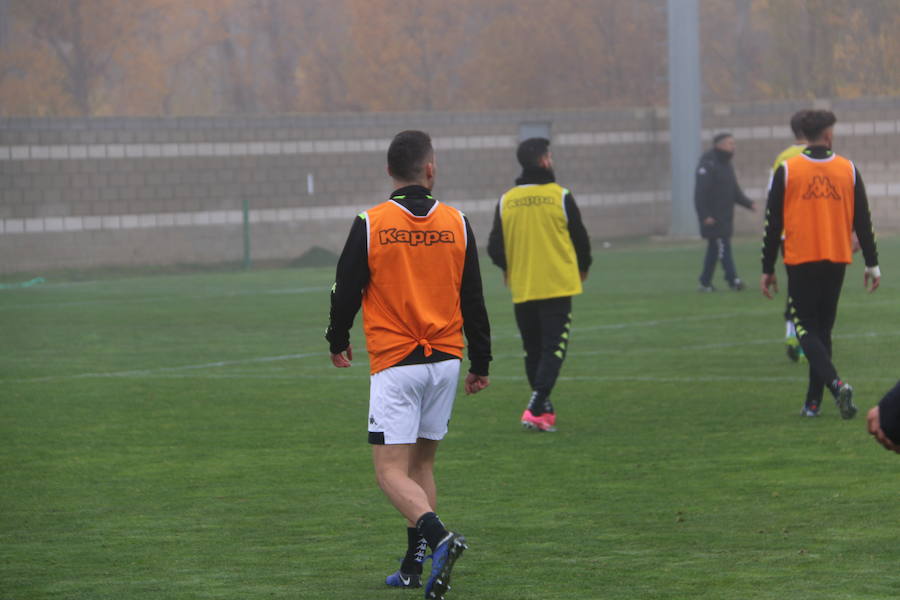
(412, 401)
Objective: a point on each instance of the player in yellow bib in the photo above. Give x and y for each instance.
(541, 244)
(792, 346)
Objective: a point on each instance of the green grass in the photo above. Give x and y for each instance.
(185, 437)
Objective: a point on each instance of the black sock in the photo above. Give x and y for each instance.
(431, 528)
(415, 552)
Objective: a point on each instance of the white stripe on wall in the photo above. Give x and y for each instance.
(380, 145)
(269, 215)
(326, 213)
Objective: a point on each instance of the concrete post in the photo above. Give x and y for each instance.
(685, 120)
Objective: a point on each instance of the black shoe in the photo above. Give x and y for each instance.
(737, 285)
(844, 401)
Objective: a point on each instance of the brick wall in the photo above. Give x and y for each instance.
(80, 193)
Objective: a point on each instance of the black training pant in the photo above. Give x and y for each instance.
(544, 326)
(718, 249)
(814, 290)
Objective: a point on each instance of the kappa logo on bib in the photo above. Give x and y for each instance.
(821, 187)
(415, 238)
(531, 201)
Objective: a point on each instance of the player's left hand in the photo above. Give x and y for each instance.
(874, 423)
(767, 281)
(342, 360)
(872, 278)
(476, 383)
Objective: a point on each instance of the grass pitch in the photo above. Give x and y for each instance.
(185, 437)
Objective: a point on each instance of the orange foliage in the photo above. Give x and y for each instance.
(177, 57)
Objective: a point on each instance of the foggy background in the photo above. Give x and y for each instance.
(230, 57)
(145, 131)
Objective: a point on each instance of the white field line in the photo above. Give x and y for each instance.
(163, 370)
(180, 371)
(621, 378)
(576, 329)
(506, 335)
(775, 341)
(162, 298)
(769, 309)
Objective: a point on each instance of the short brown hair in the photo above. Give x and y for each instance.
(814, 122)
(796, 122)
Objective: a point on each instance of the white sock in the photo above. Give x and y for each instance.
(790, 331)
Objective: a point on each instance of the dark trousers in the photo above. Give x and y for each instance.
(544, 326)
(814, 290)
(718, 249)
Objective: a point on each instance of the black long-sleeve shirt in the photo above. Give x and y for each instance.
(862, 220)
(580, 239)
(352, 277)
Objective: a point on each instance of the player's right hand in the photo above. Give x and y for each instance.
(874, 425)
(342, 359)
(766, 282)
(475, 383)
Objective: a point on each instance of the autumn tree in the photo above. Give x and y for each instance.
(177, 57)
(84, 36)
(405, 54)
(869, 49)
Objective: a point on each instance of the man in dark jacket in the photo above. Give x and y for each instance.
(715, 194)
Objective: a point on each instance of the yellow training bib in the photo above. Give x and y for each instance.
(540, 257)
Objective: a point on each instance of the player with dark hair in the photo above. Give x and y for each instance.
(540, 242)
(817, 199)
(792, 345)
(412, 264)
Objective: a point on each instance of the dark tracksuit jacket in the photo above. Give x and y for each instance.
(716, 191)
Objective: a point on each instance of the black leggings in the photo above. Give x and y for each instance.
(814, 290)
(544, 326)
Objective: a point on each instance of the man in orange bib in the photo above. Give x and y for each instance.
(818, 199)
(412, 264)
